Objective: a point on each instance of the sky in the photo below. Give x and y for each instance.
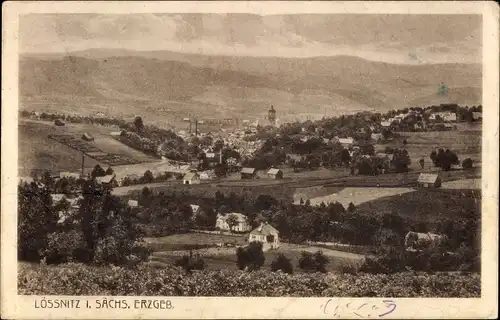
(407, 39)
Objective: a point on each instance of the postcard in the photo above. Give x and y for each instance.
(249, 160)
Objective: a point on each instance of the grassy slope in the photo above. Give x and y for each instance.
(428, 204)
(36, 151)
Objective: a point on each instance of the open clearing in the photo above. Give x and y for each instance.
(38, 152)
(168, 249)
(428, 204)
(462, 184)
(358, 195)
(466, 143)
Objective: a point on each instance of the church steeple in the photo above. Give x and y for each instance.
(271, 115)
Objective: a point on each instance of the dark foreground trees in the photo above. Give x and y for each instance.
(251, 257)
(102, 231)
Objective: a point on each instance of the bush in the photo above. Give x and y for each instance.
(251, 257)
(282, 263)
(313, 262)
(190, 263)
(64, 247)
(467, 163)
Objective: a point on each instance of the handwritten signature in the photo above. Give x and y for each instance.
(362, 310)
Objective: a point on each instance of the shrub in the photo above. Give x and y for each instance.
(190, 263)
(313, 262)
(251, 257)
(64, 247)
(467, 163)
(281, 262)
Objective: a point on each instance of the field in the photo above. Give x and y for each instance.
(168, 249)
(428, 204)
(466, 143)
(38, 152)
(359, 195)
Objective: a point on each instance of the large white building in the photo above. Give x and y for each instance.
(242, 224)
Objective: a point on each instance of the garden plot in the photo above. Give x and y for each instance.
(462, 184)
(358, 195)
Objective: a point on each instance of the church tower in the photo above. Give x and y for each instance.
(271, 115)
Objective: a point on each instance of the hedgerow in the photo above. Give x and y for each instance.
(80, 279)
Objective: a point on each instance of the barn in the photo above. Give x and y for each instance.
(429, 180)
(248, 173)
(275, 174)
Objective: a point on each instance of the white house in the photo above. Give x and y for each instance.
(107, 180)
(68, 175)
(385, 124)
(477, 115)
(346, 142)
(265, 234)
(133, 203)
(445, 116)
(241, 225)
(191, 178)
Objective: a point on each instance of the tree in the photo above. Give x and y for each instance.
(98, 171)
(109, 171)
(467, 163)
(281, 262)
(139, 125)
(422, 162)
(232, 221)
(351, 207)
(250, 257)
(401, 160)
(345, 156)
(190, 263)
(36, 220)
(313, 262)
(220, 170)
(148, 176)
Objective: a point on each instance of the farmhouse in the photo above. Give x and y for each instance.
(385, 124)
(248, 173)
(116, 133)
(241, 222)
(477, 115)
(346, 142)
(107, 180)
(275, 174)
(73, 206)
(265, 234)
(429, 180)
(191, 178)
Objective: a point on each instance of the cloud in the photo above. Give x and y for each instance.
(390, 38)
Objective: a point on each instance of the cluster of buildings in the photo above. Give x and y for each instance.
(264, 233)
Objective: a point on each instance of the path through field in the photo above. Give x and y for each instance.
(359, 195)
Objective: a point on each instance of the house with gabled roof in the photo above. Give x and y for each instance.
(265, 234)
(274, 173)
(191, 178)
(248, 173)
(429, 180)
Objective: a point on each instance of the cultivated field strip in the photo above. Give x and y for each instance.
(92, 151)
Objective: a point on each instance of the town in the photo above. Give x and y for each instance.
(203, 199)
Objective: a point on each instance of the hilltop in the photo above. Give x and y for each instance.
(154, 84)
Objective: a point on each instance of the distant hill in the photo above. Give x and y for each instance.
(172, 85)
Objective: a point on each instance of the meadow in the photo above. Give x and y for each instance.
(38, 152)
(166, 250)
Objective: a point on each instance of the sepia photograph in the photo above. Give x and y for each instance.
(203, 153)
